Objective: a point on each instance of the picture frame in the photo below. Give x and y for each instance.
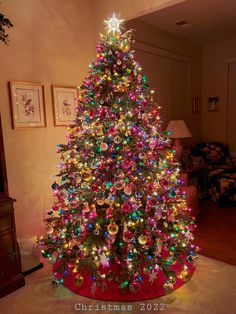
(196, 105)
(213, 104)
(27, 104)
(64, 104)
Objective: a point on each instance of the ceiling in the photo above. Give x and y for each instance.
(212, 20)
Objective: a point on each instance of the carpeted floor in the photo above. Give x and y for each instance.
(210, 291)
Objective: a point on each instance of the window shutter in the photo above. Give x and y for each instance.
(169, 78)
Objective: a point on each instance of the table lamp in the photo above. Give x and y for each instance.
(178, 130)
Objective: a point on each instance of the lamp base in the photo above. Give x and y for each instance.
(178, 148)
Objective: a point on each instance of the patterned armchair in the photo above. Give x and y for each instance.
(221, 171)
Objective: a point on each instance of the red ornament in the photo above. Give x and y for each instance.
(127, 236)
(125, 207)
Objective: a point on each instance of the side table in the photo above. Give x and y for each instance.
(196, 176)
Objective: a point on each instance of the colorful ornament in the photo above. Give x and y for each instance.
(103, 146)
(134, 286)
(119, 185)
(78, 280)
(112, 228)
(168, 287)
(117, 139)
(101, 201)
(52, 260)
(125, 207)
(128, 190)
(49, 229)
(127, 236)
(86, 208)
(142, 239)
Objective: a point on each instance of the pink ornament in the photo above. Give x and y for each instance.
(103, 146)
(54, 207)
(127, 164)
(139, 145)
(111, 239)
(128, 190)
(109, 212)
(86, 208)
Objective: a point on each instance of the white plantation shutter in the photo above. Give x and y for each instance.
(231, 114)
(169, 77)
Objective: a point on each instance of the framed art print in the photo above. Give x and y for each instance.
(213, 104)
(64, 104)
(27, 104)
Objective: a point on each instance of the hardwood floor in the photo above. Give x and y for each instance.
(216, 232)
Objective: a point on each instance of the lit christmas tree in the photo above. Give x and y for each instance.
(119, 213)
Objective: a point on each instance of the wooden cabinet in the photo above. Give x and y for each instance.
(11, 277)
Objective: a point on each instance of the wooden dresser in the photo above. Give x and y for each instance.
(11, 277)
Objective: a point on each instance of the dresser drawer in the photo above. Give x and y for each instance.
(7, 243)
(8, 268)
(6, 222)
(6, 208)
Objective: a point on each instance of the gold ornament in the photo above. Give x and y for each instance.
(142, 239)
(87, 176)
(49, 229)
(181, 225)
(101, 201)
(103, 146)
(112, 228)
(78, 280)
(52, 260)
(168, 287)
(117, 139)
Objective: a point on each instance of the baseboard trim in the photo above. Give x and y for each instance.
(27, 272)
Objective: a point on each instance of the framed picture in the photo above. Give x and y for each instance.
(64, 104)
(213, 104)
(196, 105)
(27, 104)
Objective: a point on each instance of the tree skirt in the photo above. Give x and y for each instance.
(149, 288)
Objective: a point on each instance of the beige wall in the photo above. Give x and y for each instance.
(153, 36)
(52, 42)
(128, 9)
(214, 83)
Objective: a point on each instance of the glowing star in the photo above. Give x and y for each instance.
(113, 24)
(152, 276)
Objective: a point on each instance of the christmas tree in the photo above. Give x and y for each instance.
(119, 213)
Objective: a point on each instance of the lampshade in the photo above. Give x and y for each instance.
(178, 129)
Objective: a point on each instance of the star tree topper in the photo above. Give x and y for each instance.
(113, 24)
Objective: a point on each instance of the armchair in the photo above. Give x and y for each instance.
(221, 171)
